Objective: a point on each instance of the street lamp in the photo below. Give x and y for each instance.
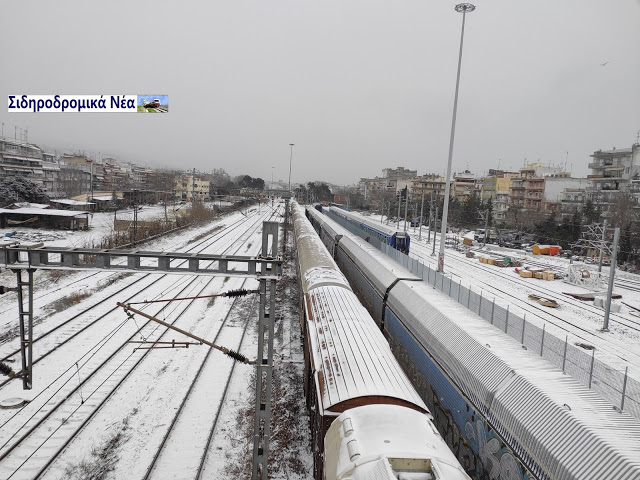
(290, 160)
(460, 8)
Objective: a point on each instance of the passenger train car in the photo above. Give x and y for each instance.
(398, 239)
(367, 420)
(505, 412)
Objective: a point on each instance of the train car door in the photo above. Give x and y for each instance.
(401, 242)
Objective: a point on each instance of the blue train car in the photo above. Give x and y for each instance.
(398, 239)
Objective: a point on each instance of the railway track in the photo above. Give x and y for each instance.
(75, 329)
(70, 408)
(461, 270)
(545, 293)
(205, 396)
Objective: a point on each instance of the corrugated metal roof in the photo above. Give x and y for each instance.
(366, 221)
(316, 265)
(350, 354)
(383, 271)
(67, 201)
(567, 429)
(50, 212)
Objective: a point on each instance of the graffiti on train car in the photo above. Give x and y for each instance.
(497, 459)
(479, 450)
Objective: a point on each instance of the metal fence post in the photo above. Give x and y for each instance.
(480, 304)
(542, 342)
(508, 312)
(450, 282)
(493, 307)
(564, 358)
(506, 326)
(593, 359)
(469, 298)
(624, 387)
(459, 289)
(524, 323)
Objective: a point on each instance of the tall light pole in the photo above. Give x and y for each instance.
(290, 160)
(461, 8)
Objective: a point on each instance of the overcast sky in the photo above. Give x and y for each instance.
(357, 85)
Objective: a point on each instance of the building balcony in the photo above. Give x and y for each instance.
(604, 178)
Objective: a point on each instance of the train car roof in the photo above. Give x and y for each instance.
(326, 223)
(372, 441)
(351, 359)
(313, 258)
(379, 268)
(572, 430)
(367, 221)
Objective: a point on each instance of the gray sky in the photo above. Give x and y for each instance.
(357, 85)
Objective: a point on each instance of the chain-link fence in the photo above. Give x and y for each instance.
(614, 386)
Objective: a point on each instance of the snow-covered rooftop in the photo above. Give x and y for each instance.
(50, 212)
(68, 201)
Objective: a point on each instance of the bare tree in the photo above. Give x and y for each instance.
(623, 212)
(73, 181)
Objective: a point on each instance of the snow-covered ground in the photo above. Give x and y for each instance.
(117, 404)
(581, 321)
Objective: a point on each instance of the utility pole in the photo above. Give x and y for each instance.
(486, 226)
(430, 217)
(382, 211)
(399, 195)
(193, 188)
(604, 234)
(612, 273)
(406, 206)
(135, 215)
(290, 161)
(421, 212)
(435, 229)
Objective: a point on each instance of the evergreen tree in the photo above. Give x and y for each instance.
(19, 189)
(590, 213)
